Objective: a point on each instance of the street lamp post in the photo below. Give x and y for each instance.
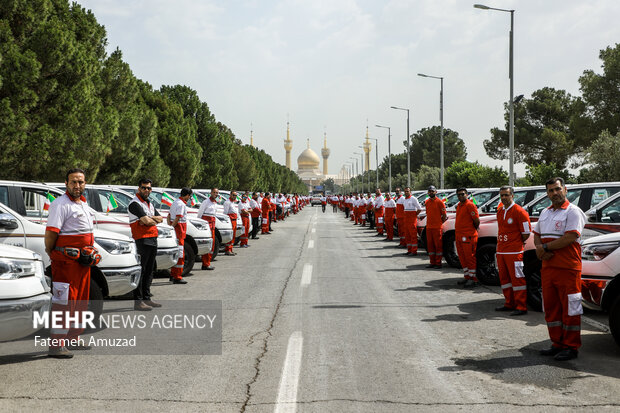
(441, 162)
(376, 158)
(389, 155)
(361, 163)
(511, 122)
(408, 149)
(355, 159)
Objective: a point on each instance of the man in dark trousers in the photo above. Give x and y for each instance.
(143, 220)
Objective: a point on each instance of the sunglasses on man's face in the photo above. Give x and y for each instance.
(146, 188)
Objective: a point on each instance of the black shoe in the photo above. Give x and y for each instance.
(463, 281)
(430, 266)
(255, 237)
(566, 354)
(504, 308)
(209, 268)
(518, 312)
(471, 284)
(181, 281)
(79, 347)
(551, 351)
(439, 267)
(244, 246)
(59, 353)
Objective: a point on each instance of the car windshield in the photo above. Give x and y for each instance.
(480, 198)
(611, 212)
(572, 196)
(113, 201)
(451, 200)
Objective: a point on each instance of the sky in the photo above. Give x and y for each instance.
(335, 66)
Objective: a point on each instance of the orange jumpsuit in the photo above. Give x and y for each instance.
(435, 209)
(512, 222)
(466, 236)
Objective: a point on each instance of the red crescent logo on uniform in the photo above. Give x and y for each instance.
(509, 220)
(558, 225)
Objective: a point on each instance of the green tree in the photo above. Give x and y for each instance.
(604, 158)
(474, 175)
(541, 173)
(601, 95)
(425, 148)
(543, 130)
(427, 176)
(329, 185)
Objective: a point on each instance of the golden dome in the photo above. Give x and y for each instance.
(309, 159)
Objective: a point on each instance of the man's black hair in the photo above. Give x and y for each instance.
(74, 171)
(462, 189)
(145, 181)
(186, 191)
(554, 180)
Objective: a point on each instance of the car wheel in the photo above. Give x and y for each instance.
(534, 285)
(614, 320)
(95, 301)
(190, 259)
(449, 250)
(486, 265)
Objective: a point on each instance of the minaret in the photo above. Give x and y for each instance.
(288, 145)
(325, 153)
(251, 137)
(367, 148)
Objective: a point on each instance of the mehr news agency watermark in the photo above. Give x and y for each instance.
(179, 327)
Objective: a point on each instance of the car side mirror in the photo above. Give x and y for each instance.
(591, 215)
(8, 221)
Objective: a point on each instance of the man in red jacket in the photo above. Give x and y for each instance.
(466, 234)
(435, 217)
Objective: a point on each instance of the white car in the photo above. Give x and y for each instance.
(117, 273)
(23, 291)
(600, 277)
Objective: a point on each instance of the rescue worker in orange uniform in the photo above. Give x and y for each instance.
(435, 217)
(177, 218)
(244, 210)
(256, 213)
(266, 208)
(390, 209)
(231, 208)
(466, 235)
(400, 218)
(411, 207)
(207, 211)
(557, 238)
(379, 211)
(143, 220)
(513, 224)
(69, 231)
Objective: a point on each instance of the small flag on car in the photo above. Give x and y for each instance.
(166, 199)
(112, 204)
(49, 198)
(193, 200)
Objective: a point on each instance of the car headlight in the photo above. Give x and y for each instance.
(13, 269)
(202, 225)
(116, 247)
(224, 219)
(598, 252)
(164, 232)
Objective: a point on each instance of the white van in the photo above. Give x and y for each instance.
(23, 290)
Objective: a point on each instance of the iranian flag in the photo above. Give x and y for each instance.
(112, 204)
(193, 200)
(49, 198)
(166, 199)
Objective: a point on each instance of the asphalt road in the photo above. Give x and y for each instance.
(321, 316)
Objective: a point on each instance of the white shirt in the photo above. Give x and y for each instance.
(245, 206)
(179, 209)
(230, 207)
(554, 223)
(379, 201)
(390, 204)
(412, 204)
(207, 207)
(69, 217)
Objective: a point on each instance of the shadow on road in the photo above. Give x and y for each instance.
(526, 366)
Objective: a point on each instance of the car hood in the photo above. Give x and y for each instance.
(101, 233)
(613, 237)
(10, 251)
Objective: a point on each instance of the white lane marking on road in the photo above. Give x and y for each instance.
(595, 324)
(287, 393)
(313, 230)
(311, 244)
(306, 276)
